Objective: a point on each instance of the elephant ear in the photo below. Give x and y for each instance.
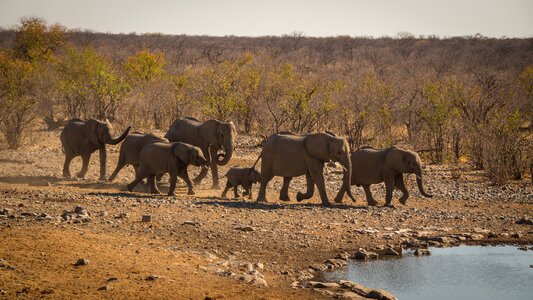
(209, 132)
(181, 152)
(91, 131)
(318, 145)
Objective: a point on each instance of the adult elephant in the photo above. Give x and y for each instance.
(131, 148)
(211, 137)
(289, 155)
(371, 166)
(82, 138)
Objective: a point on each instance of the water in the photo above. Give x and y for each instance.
(465, 272)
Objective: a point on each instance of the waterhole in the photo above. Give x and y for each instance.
(464, 272)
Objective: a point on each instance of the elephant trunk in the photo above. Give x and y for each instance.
(347, 177)
(120, 138)
(223, 159)
(421, 185)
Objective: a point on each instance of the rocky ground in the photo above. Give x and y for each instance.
(205, 247)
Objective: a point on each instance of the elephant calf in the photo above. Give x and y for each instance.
(174, 158)
(371, 166)
(130, 150)
(241, 176)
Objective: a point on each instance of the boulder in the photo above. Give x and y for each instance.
(422, 252)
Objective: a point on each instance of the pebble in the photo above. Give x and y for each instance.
(422, 252)
(151, 277)
(146, 218)
(81, 262)
(104, 288)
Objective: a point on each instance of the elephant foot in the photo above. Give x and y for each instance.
(67, 175)
(224, 196)
(102, 179)
(403, 201)
(372, 202)
(300, 197)
(285, 198)
(130, 187)
(215, 186)
(389, 205)
(262, 199)
(326, 204)
(171, 194)
(80, 176)
(191, 192)
(338, 199)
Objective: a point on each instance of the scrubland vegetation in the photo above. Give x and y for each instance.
(462, 99)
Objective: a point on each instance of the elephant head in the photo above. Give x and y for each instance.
(407, 162)
(221, 136)
(189, 155)
(100, 132)
(327, 147)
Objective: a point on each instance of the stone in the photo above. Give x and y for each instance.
(81, 262)
(112, 279)
(259, 265)
(260, 282)
(104, 288)
(324, 285)
(151, 277)
(524, 221)
(80, 210)
(146, 218)
(516, 235)
(391, 252)
(245, 228)
(192, 223)
(381, 294)
(422, 252)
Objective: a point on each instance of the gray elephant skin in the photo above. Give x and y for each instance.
(174, 158)
(211, 136)
(372, 166)
(82, 138)
(289, 155)
(244, 177)
(130, 150)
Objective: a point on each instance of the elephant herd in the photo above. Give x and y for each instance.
(211, 144)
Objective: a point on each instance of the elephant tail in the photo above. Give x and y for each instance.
(256, 161)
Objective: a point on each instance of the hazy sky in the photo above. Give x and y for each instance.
(494, 18)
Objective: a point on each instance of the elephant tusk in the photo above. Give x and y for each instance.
(418, 177)
(344, 168)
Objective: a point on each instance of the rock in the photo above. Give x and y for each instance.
(362, 254)
(80, 210)
(260, 282)
(324, 285)
(81, 262)
(44, 217)
(524, 221)
(6, 211)
(516, 235)
(5, 265)
(392, 252)
(146, 218)
(112, 279)
(531, 266)
(192, 223)
(343, 256)
(381, 294)
(422, 252)
(104, 288)
(259, 265)
(245, 228)
(151, 277)
(336, 263)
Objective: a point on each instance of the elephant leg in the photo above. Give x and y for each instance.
(203, 172)
(228, 186)
(66, 166)
(236, 191)
(284, 192)
(153, 185)
(185, 176)
(86, 157)
(134, 183)
(214, 169)
(248, 190)
(340, 195)
(400, 184)
(265, 178)
(121, 163)
(159, 177)
(369, 197)
(389, 188)
(316, 169)
(103, 158)
(310, 189)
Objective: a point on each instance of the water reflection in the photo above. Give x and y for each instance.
(465, 272)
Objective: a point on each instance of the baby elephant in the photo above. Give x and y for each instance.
(174, 158)
(241, 176)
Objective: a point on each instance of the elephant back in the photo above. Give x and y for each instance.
(184, 130)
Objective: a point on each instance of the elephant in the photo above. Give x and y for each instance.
(174, 158)
(82, 138)
(211, 136)
(241, 176)
(371, 166)
(130, 150)
(290, 155)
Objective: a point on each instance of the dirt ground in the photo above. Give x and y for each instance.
(205, 247)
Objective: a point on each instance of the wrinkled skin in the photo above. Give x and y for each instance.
(174, 158)
(130, 151)
(245, 177)
(371, 166)
(212, 137)
(82, 138)
(289, 155)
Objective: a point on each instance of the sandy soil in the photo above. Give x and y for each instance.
(205, 247)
